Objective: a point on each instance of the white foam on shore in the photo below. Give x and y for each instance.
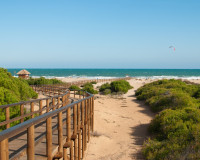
(168, 77)
(108, 77)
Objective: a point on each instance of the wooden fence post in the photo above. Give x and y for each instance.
(30, 143)
(47, 105)
(89, 116)
(83, 127)
(4, 153)
(49, 138)
(32, 109)
(22, 112)
(60, 129)
(40, 107)
(86, 117)
(68, 144)
(74, 137)
(93, 114)
(79, 131)
(7, 117)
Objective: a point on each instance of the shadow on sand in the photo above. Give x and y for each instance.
(140, 133)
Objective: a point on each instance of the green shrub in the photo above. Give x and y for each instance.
(170, 99)
(42, 80)
(74, 87)
(104, 87)
(164, 94)
(13, 90)
(120, 86)
(176, 130)
(107, 91)
(177, 135)
(89, 88)
(93, 82)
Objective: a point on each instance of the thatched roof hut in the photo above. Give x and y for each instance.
(23, 74)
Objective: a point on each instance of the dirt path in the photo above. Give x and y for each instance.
(120, 127)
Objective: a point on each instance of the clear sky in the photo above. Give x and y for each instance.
(99, 33)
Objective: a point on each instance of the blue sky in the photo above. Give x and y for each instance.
(99, 33)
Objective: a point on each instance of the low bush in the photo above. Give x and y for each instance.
(176, 129)
(164, 94)
(74, 87)
(120, 86)
(177, 135)
(107, 91)
(105, 86)
(13, 90)
(42, 80)
(89, 88)
(93, 82)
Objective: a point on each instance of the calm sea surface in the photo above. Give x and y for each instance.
(107, 73)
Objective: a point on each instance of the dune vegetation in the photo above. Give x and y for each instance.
(88, 87)
(119, 86)
(13, 90)
(42, 80)
(175, 130)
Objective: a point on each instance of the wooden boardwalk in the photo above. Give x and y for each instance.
(18, 144)
(60, 129)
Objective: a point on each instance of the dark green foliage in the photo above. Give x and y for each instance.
(120, 86)
(13, 90)
(93, 82)
(104, 87)
(177, 135)
(107, 91)
(176, 130)
(89, 88)
(164, 94)
(74, 87)
(42, 80)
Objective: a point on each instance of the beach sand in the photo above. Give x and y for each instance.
(121, 124)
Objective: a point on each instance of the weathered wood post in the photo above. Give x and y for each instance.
(49, 138)
(79, 131)
(30, 143)
(40, 107)
(93, 114)
(88, 118)
(53, 103)
(47, 105)
(4, 153)
(7, 117)
(83, 128)
(60, 127)
(85, 122)
(74, 136)
(68, 144)
(22, 112)
(32, 109)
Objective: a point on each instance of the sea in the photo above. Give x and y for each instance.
(112, 73)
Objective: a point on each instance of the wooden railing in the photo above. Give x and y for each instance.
(77, 117)
(73, 144)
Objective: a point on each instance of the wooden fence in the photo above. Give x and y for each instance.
(70, 146)
(77, 117)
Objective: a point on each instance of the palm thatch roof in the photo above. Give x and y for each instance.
(23, 72)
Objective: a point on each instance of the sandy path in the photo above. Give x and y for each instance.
(120, 127)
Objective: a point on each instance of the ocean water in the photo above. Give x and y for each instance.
(111, 73)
